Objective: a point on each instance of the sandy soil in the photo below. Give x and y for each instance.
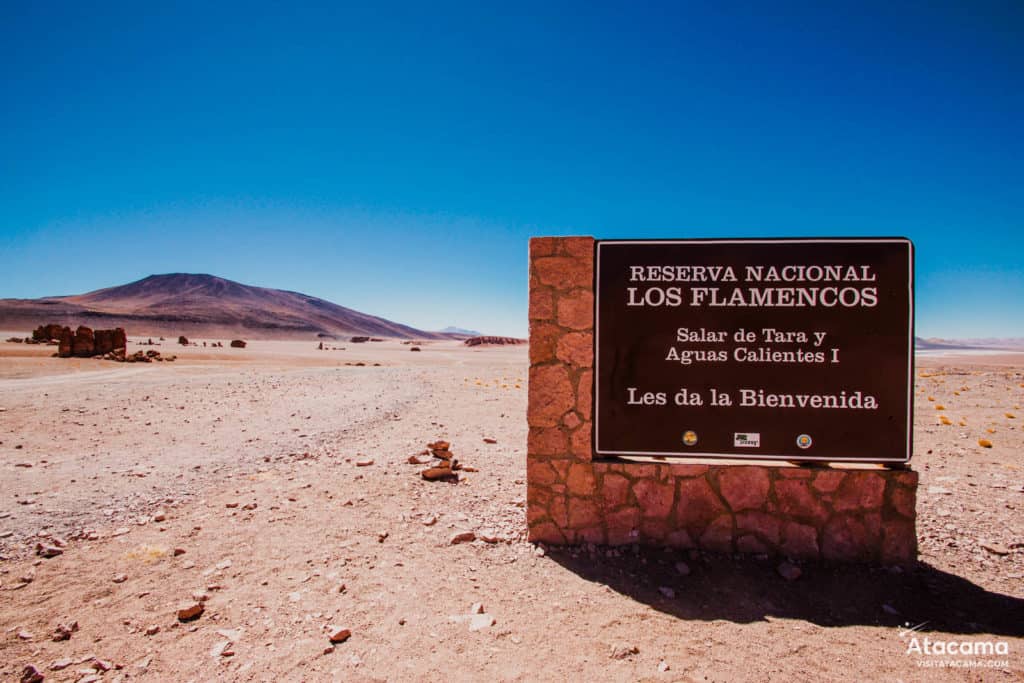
(253, 461)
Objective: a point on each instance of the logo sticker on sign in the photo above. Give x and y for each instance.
(746, 440)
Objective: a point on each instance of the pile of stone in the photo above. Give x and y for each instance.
(149, 356)
(497, 341)
(443, 465)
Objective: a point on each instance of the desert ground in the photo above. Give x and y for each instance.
(272, 485)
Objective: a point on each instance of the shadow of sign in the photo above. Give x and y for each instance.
(747, 591)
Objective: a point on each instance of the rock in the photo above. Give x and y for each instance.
(481, 621)
(120, 578)
(25, 635)
(663, 666)
(439, 473)
(476, 608)
(489, 536)
(498, 341)
(222, 649)
(329, 649)
(430, 521)
(59, 664)
(490, 441)
(788, 571)
(381, 536)
(152, 630)
(417, 460)
(30, 674)
(200, 596)
(365, 462)
(179, 551)
(64, 631)
(64, 345)
(250, 506)
(667, 592)
(232, 504)
(183, 340)
(47, 550)
(462, 537)
(339, 635)
(160, 516)
(237, 344)
(622, 651)
(191, 611)
(102, 665)
(995, 548)
(682, 568)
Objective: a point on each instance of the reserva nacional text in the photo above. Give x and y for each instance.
(802, 286)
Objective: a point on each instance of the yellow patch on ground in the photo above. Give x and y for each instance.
(945, 420)
(940, 407)
(147, 553)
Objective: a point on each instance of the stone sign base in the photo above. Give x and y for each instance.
(854, 513)
(842, 515)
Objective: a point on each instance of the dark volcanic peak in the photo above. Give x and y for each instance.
(198, 302)
(172, 285)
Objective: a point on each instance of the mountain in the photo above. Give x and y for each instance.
(934, 344)
(182, 303)
(460, 332)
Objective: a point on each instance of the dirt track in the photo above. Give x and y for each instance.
(282, 426)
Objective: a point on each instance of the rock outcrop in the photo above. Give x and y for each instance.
(45, 333)
(85, 343)
(480, 341)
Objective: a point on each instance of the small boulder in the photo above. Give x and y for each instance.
(462, 537)
(339, 635)
(191, 611)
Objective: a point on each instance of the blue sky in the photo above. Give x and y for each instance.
(396, 159)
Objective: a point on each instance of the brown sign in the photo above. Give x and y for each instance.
(795, 349)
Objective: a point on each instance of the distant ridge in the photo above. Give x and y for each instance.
(994, 344)
(199, 304)
(460, 332)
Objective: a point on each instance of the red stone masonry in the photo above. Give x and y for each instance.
(821, 513)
